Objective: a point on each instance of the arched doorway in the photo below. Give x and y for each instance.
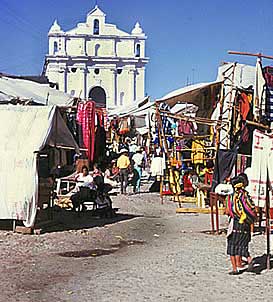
(98, 95)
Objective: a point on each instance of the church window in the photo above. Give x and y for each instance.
(97, 71)
(96, 29)
(121, 99)
(97, 47)
(55, 47)
(119, 70)
(138, 50)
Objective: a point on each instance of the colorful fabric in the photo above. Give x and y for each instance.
(185, 127)
(187, 184)
(242, 206)
(102, 117)
(86, 118)
(270, 104)
(174, 178)
(262, 162)
(198, 152)
(244, 105)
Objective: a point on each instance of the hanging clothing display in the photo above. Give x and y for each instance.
(124, 126)
(100, 143)
(158, 165)
(262, 161)
(268, 74)
(270, 104)
(174, 179)
(242, 161)
(198, 152)
(185, 127)
(244, 104)
(102, 117)
(224, 163)
(259, 92)
(86, 119)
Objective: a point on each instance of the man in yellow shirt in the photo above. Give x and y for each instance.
(123, 164)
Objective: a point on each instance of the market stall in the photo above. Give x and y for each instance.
(26, 133)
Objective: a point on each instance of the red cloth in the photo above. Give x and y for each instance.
(102, 117)
(244, 105)
(185, 127)
(187, 184)
(86, 118)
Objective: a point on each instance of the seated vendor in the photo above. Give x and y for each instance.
(83, 179)
(109, 178)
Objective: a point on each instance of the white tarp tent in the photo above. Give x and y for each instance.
(188, 94)
(11, 88)
(142, 110)
(234, 76)
(130, 109)
(26, 130)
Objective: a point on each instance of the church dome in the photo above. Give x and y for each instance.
(137, 30)
(55, 28)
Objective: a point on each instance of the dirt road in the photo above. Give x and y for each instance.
(149, 254)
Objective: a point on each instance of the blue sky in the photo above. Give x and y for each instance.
(187, 40)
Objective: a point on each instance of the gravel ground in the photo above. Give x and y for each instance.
(151, 254)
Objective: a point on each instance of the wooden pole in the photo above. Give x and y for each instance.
(259, 55)
(267, 213)
(218, 131)
(197, 120)
(257, 125)
(230, 105)
(159, 126)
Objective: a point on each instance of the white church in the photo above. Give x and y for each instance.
(98, 61)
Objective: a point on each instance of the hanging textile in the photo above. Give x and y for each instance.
(158, 165)
(244, 104)
(259, 92)
(262, 161)
(268, 74)
(102, 117)
(198, 152)
(224, 163)
(124, 126)
(269, 101)
(185, 127)
(100, 143)
(86, 119)
(241, 163)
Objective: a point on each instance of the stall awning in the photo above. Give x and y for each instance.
(202, 95)
(11, 88)
(127, 110)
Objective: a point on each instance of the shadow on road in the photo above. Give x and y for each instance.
(63, 220)
(259, 264)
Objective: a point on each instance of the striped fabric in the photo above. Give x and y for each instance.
(270, 103)
(239, 239)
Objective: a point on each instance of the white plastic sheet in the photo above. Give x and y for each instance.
(24, 131)
(28, 90)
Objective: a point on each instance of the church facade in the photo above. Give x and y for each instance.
(98, 61)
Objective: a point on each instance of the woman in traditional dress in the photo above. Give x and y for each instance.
(242, 215)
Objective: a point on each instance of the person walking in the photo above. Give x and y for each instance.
(123, 164)
(138, 159)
